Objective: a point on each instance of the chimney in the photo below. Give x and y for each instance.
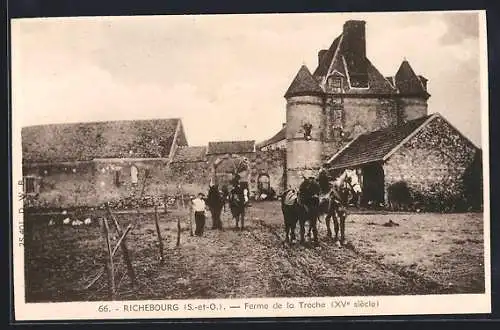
(321, 53)
(354, 46)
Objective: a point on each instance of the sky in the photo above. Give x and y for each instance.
(225, 75)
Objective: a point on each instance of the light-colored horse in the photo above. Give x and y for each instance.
(333, 203)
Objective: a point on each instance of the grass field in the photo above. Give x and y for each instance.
(424, 254)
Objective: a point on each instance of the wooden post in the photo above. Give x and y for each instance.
(109, 264)
(160, 241)
(129, 228)
(190, 221)
(181, 191)
(178, 232)
(123, 246)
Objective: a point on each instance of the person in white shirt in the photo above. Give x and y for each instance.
(199, 206)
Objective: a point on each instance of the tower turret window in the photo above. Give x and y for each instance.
(334, 84)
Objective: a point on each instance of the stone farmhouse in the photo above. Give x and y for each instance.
(345, 114)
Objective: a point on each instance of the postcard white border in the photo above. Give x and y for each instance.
(336, 306)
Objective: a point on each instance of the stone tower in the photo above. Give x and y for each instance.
(304, 128)
(413, 95)
(345, 97)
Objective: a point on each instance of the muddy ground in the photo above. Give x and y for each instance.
(423, 254)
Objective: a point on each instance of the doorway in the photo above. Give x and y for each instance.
(373, 184)
(263, 183)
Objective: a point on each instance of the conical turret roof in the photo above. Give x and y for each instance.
(303, 84)
(407, 81)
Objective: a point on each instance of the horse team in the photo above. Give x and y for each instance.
(315, 197)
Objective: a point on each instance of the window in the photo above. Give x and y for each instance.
(334, 84)
(31, 185)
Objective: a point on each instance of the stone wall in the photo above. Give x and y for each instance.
(114, 182)
(90, 184)
(272, 163)
(277, 145)
(412, 108)
(433, 164)
(368, 114)
(193, 176)
(62, 185)
(303, 155)
(330, 149)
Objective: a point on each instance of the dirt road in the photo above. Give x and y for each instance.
(425, 254)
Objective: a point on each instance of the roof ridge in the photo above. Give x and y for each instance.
(105, 122)
(327, 58)
(377, 145)
(335, 55)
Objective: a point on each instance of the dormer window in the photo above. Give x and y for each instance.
(334, 84)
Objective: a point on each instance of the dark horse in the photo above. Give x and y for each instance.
(215, 203)
(237, 203)
(302, 207)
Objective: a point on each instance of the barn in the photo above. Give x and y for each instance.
(84, 164)
(425, 163)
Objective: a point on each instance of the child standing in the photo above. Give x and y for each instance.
(199, 207)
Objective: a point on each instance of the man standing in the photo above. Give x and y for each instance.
(199, 206)
(215, 203)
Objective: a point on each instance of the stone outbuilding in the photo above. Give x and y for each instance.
(424, 163)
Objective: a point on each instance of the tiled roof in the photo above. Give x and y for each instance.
(374, 146)
(86, 141)
(190, 154)
(303, 83)
(327, 58)
(407, 81)
(281, 135)
(334, 60)
(404, 82)
(230, 147)
(377, 83)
